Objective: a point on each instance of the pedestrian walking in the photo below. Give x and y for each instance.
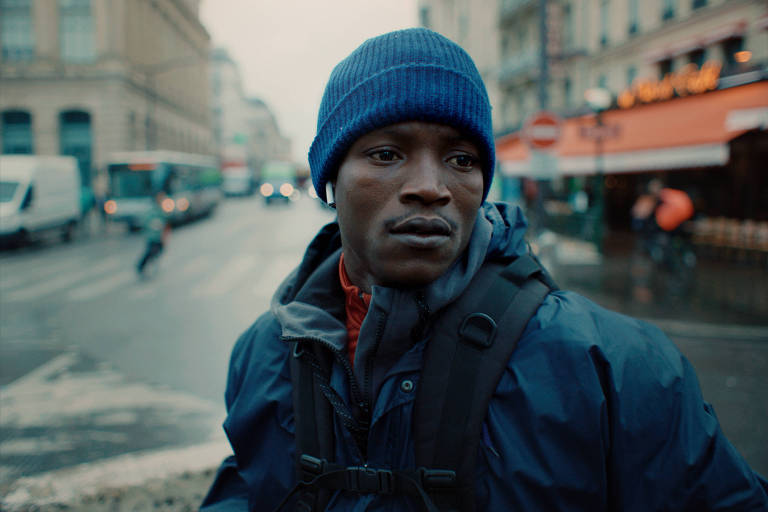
(419, 358)
(156, 231)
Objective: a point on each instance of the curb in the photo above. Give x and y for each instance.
(725, 332)
(76, 484)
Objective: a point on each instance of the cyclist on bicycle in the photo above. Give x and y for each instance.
(156, 230)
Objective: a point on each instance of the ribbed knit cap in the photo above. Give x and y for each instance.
(407, 75)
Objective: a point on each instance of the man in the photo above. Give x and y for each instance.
(595, 411)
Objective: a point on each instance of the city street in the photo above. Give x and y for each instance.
(96, 364)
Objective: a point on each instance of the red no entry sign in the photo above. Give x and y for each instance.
(542, 130)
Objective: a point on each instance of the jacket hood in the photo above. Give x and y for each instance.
(310, 302)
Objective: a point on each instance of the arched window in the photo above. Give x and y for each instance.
(75, 140)
(17, 132)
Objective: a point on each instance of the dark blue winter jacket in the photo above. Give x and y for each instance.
(596, 411)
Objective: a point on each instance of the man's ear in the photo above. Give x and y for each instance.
(329, 197)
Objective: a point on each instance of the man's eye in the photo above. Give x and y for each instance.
(463, 160)
(383, 155)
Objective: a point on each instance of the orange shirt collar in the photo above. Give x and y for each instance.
(356, 303)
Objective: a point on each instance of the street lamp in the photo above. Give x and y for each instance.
(598, 100)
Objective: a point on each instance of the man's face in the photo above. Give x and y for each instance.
(407, 196)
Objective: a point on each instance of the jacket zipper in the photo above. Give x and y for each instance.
(368, 374)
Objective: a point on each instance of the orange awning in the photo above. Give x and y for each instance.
(681, 133)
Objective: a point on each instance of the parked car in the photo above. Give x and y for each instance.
(38, 194)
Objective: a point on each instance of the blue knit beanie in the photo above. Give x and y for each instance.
(407, 75)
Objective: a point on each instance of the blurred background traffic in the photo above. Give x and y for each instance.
(603, 111)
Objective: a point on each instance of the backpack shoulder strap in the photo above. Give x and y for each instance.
(313, 418)
(466, 356)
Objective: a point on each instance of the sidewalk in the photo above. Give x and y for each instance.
(75, 409)
(727, 297)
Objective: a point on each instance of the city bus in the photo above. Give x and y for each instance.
(191, 182)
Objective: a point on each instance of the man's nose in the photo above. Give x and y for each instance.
(424, 182)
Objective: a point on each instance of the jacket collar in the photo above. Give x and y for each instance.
(310, 302)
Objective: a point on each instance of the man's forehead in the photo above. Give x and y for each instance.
(410, 128)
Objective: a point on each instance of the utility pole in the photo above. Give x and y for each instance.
(543, 57)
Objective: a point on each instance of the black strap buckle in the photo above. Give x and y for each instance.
(311, 467)
(362, 479)
(437, 478)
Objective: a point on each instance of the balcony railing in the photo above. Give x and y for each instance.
(512, 8)
(518, 66)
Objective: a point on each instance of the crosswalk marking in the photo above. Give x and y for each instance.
(226, 278)
(195, 266)
(169, 272)
(63, 281)
(93, 290)
(34, 272)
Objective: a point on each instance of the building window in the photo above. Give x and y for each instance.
(568, 42)
(604, 22)
(463, 28)
(17, 132)
(424, 17)
(668, 9)
(631, 75)
(665, 67)
(698, 3)
(567, 92)
(75, 140)
(731, 47)
(76, 30)
(602, 81)
(698, 57)
(17, 34)
(634, 17)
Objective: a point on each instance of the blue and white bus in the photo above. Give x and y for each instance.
(192, 183)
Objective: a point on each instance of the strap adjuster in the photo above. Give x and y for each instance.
(311, 466)
(437, 478)
(479, 329)
(370, 480)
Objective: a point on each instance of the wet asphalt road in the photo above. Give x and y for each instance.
(95, 362)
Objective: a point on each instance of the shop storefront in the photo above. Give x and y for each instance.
(711, 143)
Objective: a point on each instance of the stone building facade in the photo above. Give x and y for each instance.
(245, 129)
(92, 77)
(596, 43)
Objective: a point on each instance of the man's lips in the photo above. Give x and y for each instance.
(423, 226)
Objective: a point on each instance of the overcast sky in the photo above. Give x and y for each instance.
(286, 49)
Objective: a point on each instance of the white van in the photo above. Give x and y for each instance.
(38, 193)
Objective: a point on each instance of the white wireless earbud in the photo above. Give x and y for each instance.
(329, 195)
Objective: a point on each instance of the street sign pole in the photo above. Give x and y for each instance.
(599, 100)
(541, 132)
